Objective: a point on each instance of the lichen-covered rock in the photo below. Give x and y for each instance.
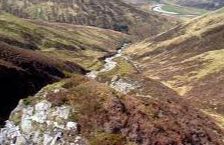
(40, 122)
(124, 86)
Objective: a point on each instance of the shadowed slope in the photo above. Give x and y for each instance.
(24, 72)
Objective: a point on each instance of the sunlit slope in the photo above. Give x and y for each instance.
(189, 59)
(80, 44)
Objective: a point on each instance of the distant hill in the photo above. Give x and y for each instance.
(204, 4)
(189, 59)
(80, 44)
(114, 14)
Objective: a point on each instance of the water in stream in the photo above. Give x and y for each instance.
(119, 84)
(109, 63)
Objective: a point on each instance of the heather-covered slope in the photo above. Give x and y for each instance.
(189, 59)
(113, 14)
(24, 45)
(109, 118)
(80, 44)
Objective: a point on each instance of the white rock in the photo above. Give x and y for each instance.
(54, 141)
(92, 74)
(58, 126)
(71, 126)
(62, 112)
(122, 86)
(26, 122)
(42, 106)
(47, 139)
(56, 90)
(41, 111)
(36, 137)
(20, 140)
(41, 124)
(9, 133)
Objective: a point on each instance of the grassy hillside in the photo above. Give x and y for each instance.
(189, 59)
(184, 10)
(80, 44)
(109, 117)
(114, 14)
(127, 119)
(35, 53)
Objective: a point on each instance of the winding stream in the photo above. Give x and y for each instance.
(159, 8)
(119, 84)
(109, 63)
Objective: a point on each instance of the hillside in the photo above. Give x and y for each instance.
(80, 44)
(63, 83)
(188, 59)
(114, 14)
(108, 117)
(37, 53)
(24, 72)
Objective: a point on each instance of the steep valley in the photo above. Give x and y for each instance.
(74, 72)
(34, 54)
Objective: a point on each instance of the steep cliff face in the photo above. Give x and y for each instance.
(114, 14)
(24, 72)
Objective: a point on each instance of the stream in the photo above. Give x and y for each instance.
(45, 122)
(119, 84)
(159, 8)
(109, 63)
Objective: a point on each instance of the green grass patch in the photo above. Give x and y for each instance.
(122, 69)
(184, 10)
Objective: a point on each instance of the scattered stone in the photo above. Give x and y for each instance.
(124, 86)
(71, 126)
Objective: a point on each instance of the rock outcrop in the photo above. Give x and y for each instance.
(81, 111)
(37, 121)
